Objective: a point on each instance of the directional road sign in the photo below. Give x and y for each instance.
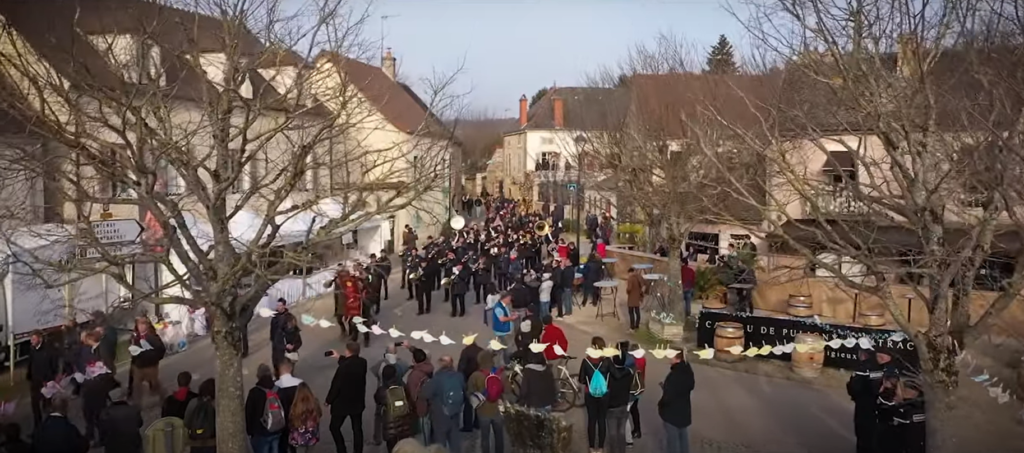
(571, 186)
(117, 231)
(113, 250)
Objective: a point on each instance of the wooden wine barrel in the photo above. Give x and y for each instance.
(808, 363)
(727, 335)
(872, 317)
(800, 306)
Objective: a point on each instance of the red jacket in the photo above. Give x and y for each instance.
(353, 289)
(602, 250)
(552, 335)
(688, 277)
(563, 251)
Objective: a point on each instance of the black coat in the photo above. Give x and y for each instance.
(520, 296)
(620, 379)
(468, 363)
(255, 404)
(57, 434)
(43, 364)
(538, 389)
(482, 276)
(176, 403)
(347, 394)
(674, 405)
(460, 282)
(566, 277)
(148, 358)
(119, 426)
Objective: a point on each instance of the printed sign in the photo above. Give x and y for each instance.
(763, 330)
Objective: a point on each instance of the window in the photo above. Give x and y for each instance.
(169, 180)
(257, 169)
(547, 141)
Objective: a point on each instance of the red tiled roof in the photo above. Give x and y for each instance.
(398, 103)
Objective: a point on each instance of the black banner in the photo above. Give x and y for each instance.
(762, 330)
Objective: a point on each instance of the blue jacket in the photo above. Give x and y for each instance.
(501, 327)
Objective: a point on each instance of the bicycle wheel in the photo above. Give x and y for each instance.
(566, 396)
(579, 389)
(514, 382)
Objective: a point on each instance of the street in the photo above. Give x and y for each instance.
(732, 412)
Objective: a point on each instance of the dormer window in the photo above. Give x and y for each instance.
(214, 65)
(137, 59)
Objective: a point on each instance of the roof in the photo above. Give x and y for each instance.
(396, 101)
(972, 88)
(58, 31)
(666, 105)
(585, 109)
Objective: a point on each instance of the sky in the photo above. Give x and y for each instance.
(508, 48)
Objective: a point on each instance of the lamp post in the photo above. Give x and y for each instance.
(581, 142)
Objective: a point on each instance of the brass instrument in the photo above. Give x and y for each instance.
(446, 282)
(541, 228)
(415, 275)
(457, 223)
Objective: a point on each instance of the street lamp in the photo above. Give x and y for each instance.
(581, 142)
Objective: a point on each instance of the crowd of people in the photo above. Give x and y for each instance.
(524, 275)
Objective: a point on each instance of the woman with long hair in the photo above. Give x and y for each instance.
(304, 420)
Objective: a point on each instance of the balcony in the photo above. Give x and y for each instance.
(834, 202)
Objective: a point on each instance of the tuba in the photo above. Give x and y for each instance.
(457, 223)
(446, 282)
(541, 228)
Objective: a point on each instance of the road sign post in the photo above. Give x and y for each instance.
(113, 237)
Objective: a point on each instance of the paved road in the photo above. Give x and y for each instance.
(733, 412)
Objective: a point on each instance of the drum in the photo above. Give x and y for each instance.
(727, 335)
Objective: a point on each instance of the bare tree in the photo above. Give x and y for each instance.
(203, 115)
(892, 139)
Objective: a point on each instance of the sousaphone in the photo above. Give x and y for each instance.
(457, 223)
(541, 228)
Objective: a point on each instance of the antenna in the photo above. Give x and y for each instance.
(384, 18)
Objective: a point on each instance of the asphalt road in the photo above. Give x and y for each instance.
(732, 412)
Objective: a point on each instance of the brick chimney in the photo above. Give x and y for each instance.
(908, 55)
(388, 64)
(559, 113)
(523, 110)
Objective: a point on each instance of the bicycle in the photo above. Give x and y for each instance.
(566, 383)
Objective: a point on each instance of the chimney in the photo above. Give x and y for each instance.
(387, 64)
(559, 113)
(907, 58)
(523, 110)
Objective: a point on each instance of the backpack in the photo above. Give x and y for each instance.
(396, 402)
(273, 412)
(202, 422)
(598, 383)
(452, 396)
(493, 387)
(638, 385)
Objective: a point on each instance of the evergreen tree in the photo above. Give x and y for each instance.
(538, 96)
(721, 59)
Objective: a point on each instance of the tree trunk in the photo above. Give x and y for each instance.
(673, 278)
(939, 373)
(231, 437)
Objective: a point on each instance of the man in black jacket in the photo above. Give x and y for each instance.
(347, 397)
(384, 264)
(460, 286)
(56, 434)
(863, 388)
(674, 405)
(119, 425)
(468, 365)
(43, 366)
(481, 278)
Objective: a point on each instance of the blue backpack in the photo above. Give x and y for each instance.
(598, 384)
(452, 393)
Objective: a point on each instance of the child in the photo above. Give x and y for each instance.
(304, 420)
(176, 403)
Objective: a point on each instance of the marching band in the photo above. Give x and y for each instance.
(511, 243)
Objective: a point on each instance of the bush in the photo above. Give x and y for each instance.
(707, 285)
